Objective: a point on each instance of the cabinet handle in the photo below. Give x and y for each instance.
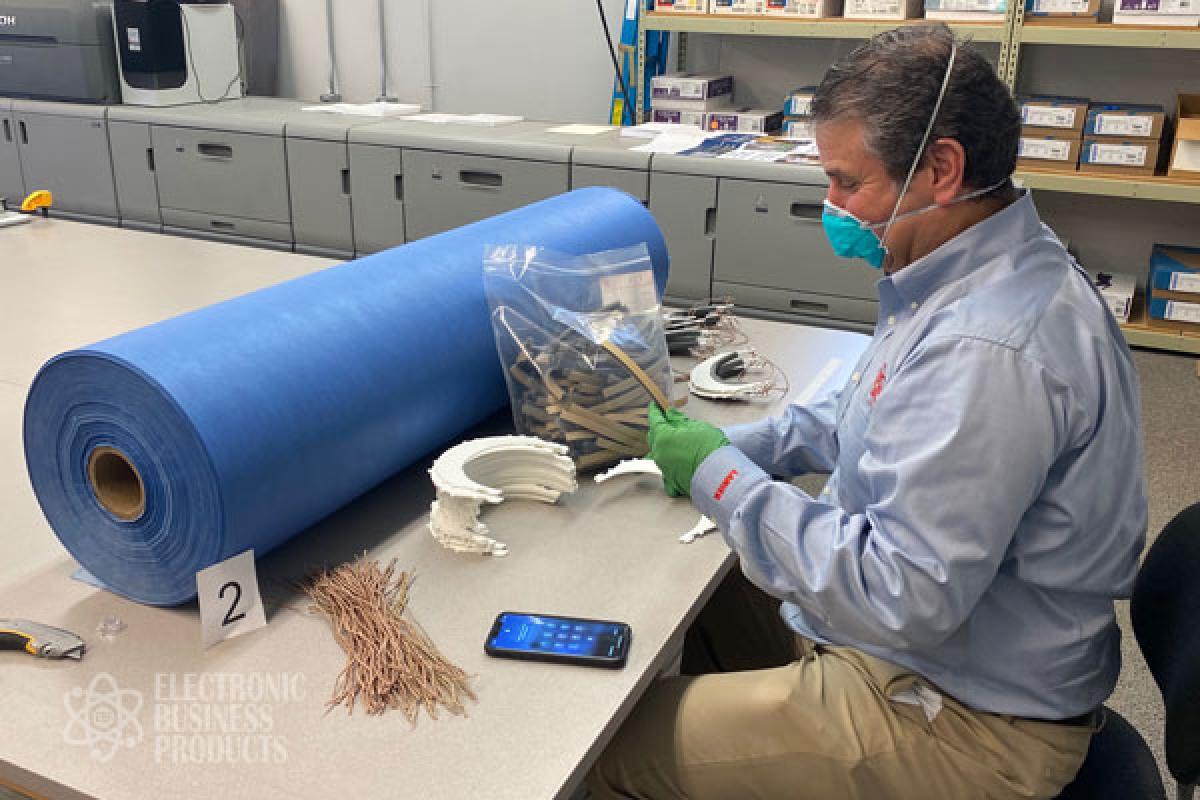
(346, 182)
(215, 150)
(221, 225)
(807, 211)
(481, 180)
(819, 309)
(24, 132)
(7, 131)
(710, 221)
(399, 188)
(150, 158)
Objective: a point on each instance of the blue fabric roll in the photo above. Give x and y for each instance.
(249, 420)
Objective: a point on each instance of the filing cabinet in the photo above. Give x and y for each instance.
(63, 147)
(12, 184)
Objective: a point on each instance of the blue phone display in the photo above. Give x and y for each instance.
(550, 638)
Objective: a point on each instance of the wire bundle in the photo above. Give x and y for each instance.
(392, 664)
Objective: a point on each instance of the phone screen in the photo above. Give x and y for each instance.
(545, 637)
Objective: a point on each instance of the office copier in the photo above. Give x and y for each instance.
(58, 50)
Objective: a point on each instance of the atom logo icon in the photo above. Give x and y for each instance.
(103, 717)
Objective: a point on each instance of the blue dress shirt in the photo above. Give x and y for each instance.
(986, 503)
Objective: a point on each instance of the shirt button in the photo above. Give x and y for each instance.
(891, 320)
(856, 376)
(914, 306)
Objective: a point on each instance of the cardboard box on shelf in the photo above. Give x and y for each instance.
(1117, 290)
(1173, 314)
(1118, 156)
(798, 127)
(1054, 11)
(689, 86)
(736, 6)
(804, 9)
(1050, 115)
(744, 120)
(1175, 13)
(798, 103)
(966, 10)
(883, 9)
(682, 6)
(1056, 153)
(707, 104)
(678, 116)
(1126, 120)
(1175, 269)
(1185, 156)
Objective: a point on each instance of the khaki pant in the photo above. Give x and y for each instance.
(823, 726)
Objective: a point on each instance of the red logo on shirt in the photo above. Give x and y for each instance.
(877, 386)
(720, 492)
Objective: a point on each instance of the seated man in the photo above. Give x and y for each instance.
(948, 597)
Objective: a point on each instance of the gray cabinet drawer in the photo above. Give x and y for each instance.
(685, 207)
(770, 234)
(319, 181)
(70, 157)
(447, 190)
(133, 172)
(806, 304)
(228, 226)
(236, 174)
(376, 197)
(12, 185)
(635, 182)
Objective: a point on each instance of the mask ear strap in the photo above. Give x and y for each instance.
(924, 141)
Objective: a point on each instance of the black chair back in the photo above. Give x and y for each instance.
(1166, 621)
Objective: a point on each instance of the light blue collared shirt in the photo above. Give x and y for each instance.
(986, 503)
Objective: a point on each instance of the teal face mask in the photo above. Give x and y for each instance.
(850, 237)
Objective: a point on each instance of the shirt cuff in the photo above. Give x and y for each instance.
(721, 481)
(738, 435)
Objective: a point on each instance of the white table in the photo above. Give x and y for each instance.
(608, 551)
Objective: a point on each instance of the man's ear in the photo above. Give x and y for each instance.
(948, 160)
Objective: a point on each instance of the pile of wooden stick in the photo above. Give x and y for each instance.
(584, 396)
(392, 662)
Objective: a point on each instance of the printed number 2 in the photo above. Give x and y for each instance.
(230, 617)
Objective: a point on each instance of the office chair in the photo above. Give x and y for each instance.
(1166, 613)
(1119, 766)
(1165, 610)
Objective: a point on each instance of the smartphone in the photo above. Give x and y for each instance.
(563, 640)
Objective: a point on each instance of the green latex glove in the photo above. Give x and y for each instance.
(678, 444)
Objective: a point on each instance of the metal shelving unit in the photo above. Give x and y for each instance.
(685, 24)
(1106, 35)
(1157, 188)
(1011, 34)
(810, 28)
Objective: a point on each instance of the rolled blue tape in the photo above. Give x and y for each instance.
(247, 421)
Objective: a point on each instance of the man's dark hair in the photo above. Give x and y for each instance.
(891, 83)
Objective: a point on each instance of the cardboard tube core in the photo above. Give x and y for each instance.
(116, 483)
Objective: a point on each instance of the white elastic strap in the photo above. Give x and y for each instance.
(912, 170)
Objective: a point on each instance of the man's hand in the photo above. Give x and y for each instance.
(678, 445)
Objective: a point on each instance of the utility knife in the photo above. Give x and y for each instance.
(39, 640)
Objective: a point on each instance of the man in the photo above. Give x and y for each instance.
(948, 597)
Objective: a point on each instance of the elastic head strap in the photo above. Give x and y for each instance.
(912, 170)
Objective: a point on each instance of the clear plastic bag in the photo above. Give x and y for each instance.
(560, 322)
